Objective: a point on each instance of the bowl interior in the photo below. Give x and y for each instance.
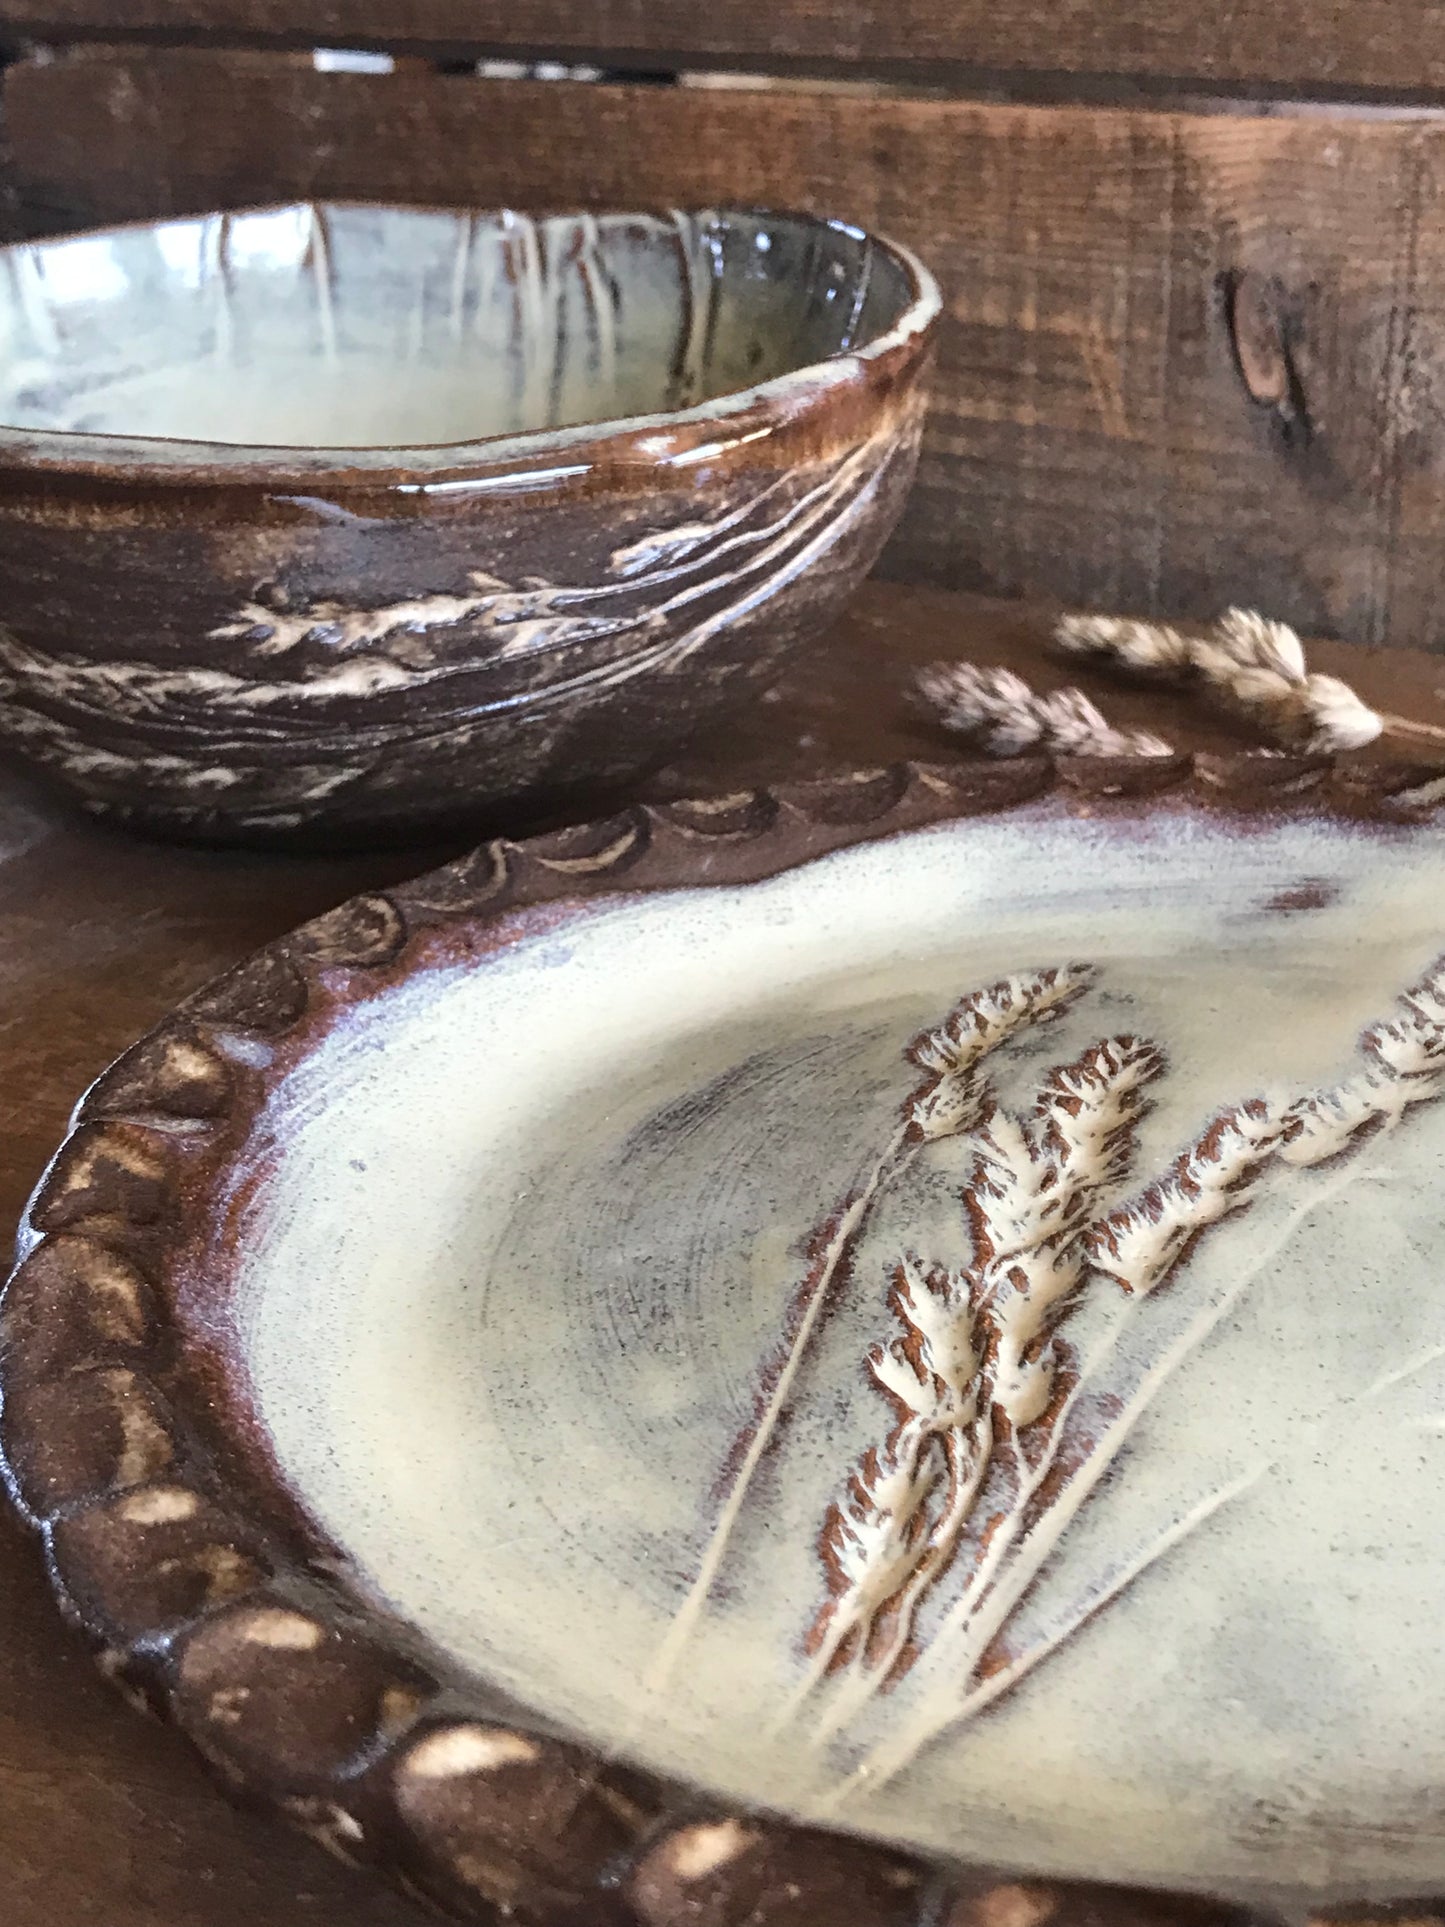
(526, 1242)
(367, 326)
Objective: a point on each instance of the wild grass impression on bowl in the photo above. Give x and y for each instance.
(671, 570)
(984, 1458)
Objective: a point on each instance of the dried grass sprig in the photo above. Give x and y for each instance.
(885, 1537)
(997, 710)
(1253, 665)
(879, 1534)
(1081, 1142)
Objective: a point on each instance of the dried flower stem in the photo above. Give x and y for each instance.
(1257, 667)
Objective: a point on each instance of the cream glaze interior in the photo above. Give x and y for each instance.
(353, 326)
(507, 1292)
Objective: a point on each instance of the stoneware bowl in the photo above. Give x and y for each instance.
(355, 520)
(744, 1365)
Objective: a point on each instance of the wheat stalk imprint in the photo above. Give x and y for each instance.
(980, 1470)
(658, 579)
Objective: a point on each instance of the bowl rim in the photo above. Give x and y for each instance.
(527, 460)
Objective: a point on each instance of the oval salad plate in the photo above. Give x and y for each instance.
(732, 1365)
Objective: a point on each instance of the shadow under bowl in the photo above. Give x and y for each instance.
(337, 523)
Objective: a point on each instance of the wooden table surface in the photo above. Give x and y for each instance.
(105, 1819)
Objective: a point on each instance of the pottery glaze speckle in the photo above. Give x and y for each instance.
(337, 522)
(594, 1141)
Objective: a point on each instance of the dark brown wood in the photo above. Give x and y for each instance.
(105, 1818)
(1188, 359)
(1292, 46)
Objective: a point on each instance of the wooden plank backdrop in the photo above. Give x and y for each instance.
(1187, 357)
(1285, 46)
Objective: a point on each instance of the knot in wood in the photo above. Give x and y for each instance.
(1257, 325)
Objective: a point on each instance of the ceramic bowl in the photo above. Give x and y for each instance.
(348, 520)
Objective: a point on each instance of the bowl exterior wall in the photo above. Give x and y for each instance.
(260, 664)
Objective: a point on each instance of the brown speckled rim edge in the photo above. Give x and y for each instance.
(296, 1691)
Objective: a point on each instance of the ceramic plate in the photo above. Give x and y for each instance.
(724, 1366)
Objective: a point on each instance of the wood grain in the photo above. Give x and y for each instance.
(1291, 46)
(1188, 359)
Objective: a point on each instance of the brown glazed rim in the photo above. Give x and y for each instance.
(628, 451)
(209, 1607)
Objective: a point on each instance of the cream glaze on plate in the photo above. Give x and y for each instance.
(525, 1311)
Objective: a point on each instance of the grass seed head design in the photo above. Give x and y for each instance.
(978, 1377)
